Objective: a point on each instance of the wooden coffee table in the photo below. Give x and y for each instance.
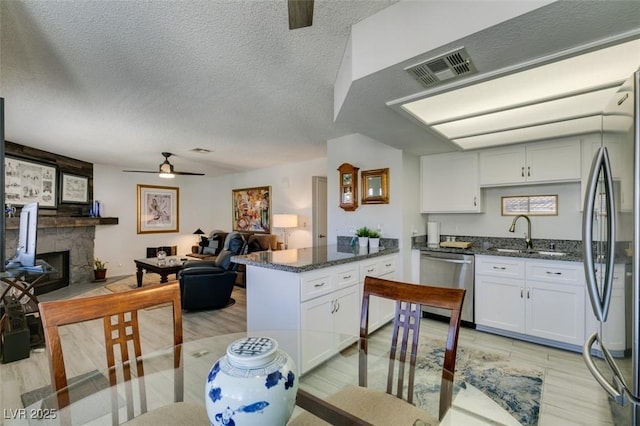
(151, 265)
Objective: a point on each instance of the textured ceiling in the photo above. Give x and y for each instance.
(118, 82)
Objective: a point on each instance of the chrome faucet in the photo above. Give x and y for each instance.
(527, 236)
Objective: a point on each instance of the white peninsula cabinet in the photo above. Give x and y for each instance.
(324, 302)
(449, 183)
(553, 161)
(541, 301)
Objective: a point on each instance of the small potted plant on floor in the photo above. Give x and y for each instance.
(363, 236)
(99, 270)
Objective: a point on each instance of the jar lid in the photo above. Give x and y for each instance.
(252, 352)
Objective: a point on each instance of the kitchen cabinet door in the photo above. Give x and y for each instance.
(616, 329)
(555, 312)
(316, 315)
(380, 310)
(329, 314)
(499, 303)
(502, 166)
(449, 183)
(345, 323)
(553, 161)
(536, 162)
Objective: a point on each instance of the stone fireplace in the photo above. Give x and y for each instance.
(63, 234)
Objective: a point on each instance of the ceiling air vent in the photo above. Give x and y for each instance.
(446, 67)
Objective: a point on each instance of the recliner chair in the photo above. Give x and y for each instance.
(203, 285)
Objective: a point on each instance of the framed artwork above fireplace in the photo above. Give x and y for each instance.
(27, 181)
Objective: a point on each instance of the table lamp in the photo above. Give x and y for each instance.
(285, 221)
(198, 233)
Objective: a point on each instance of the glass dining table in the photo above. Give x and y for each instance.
(91, 394)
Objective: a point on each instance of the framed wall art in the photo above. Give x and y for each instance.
(74, 189)
(252, 209)
(27, 181)
(158, 209)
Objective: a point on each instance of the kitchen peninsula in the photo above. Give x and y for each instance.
(315, 288)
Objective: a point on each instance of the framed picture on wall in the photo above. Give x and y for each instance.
(27, 181)
(252, 209)
(158, 209)
(74, 189)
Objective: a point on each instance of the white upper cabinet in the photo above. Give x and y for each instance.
(622, 170)
(449, 183)
(551, 161)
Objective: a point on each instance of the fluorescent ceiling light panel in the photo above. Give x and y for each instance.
(533, 96)
(582, 105)
(547, 131)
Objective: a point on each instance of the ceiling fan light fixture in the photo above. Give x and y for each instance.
(165, 175)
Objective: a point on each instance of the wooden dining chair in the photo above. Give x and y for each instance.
(391, 407)
(119, 312)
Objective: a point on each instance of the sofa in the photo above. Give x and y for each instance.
(211, 245)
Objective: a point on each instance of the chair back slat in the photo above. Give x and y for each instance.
(119, 312)
(406, 329)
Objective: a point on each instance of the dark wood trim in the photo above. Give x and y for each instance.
(64, 165)
(64, 222)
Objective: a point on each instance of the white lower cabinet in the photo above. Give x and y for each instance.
(324, 304)
(331, 315)
(380, 310)
(615, 331)
(537, 298)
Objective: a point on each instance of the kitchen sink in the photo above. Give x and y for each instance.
(528, 251)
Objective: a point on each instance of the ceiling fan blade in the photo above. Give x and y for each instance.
(188, 173)
(300, 13)
(165, 168)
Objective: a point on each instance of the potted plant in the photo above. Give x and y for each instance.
(363, 236)
(99, 270)
(374, 239)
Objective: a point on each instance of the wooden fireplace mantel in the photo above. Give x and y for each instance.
(63, 221)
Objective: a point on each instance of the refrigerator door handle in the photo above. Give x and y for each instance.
(620, 392)
(599, 302)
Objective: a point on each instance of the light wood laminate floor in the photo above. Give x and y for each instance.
(570, 396)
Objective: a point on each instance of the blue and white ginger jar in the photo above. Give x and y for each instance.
(255, 383)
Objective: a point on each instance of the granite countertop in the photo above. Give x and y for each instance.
(310, 258)
(570, 256)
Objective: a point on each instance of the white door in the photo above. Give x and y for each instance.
(319, 227)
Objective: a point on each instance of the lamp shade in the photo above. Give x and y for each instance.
(285, 220)
(199, 232)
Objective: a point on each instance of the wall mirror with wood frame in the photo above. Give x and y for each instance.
(375, 186)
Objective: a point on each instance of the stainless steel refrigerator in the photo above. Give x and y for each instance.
(611, 246)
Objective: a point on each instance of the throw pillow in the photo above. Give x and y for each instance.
(224, 259)
(214, 245)
(209, 250)
(204, 242)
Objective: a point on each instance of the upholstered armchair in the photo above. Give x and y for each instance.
(204, 285)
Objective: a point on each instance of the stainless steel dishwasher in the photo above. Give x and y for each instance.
(441, 269)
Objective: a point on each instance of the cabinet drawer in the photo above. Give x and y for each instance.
(371, 269)
(498, 266)
(386, 265)
(314, 286)
(345, 277)
(556, 272)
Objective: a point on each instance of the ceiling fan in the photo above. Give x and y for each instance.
(165, 170)
(300, 13)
